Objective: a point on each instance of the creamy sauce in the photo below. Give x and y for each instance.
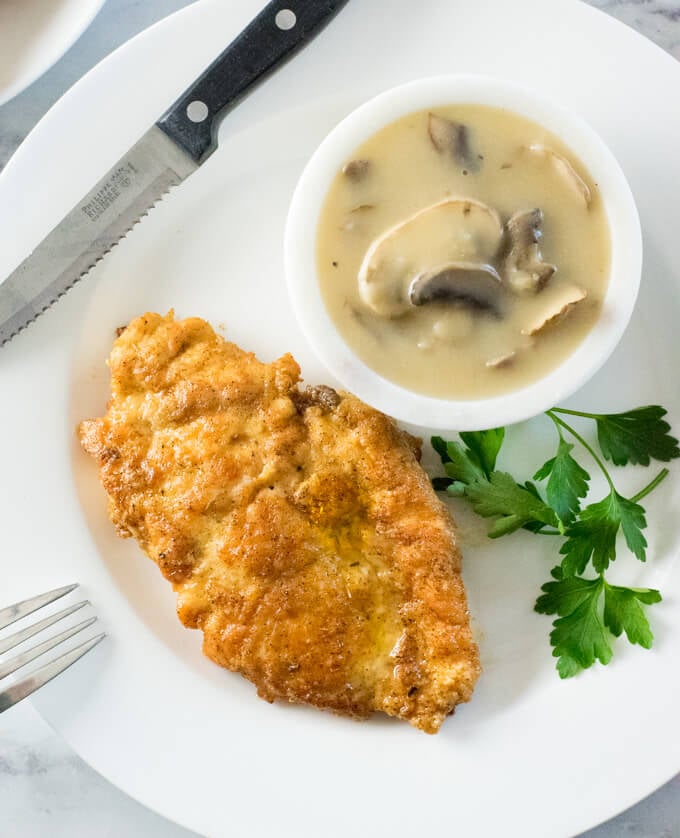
(463, 252)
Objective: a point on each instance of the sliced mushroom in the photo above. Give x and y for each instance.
(502, 361)
(453, 139)
(356, 170)
(524, 268)
(475, 286)
(451, 231)
(557, 306)
(565, 170)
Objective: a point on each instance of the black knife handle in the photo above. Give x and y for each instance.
(281, 28)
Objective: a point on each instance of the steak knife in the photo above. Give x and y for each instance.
(182, 139)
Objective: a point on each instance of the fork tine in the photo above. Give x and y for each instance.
(25, 634)
(45, 673)
(31, 654)
(21, 609)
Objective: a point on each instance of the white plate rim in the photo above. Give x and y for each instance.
(655, 782)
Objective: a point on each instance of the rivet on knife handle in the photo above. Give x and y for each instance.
(282, 28)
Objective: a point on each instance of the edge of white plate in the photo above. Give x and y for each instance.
(655, 776)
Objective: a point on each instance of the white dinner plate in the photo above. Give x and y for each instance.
(34, 34)
(530, 756)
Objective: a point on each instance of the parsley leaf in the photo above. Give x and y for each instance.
(531, 487)
(567, 482)
(532, 526)
(565, 594)
(636, 436)
(485, 445)
(593, 536)
(579, 636)
(513, 505)
(462, 464)
(456, 489)
(439, 446)
(623, 612)
(589, 613)
(577, 551)
(478, 459)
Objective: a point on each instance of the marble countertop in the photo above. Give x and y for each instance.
(44, 787)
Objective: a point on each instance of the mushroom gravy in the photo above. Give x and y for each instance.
(463, 252)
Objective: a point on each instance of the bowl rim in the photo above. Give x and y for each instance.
(462, 414)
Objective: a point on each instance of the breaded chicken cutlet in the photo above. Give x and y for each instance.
(296, 526)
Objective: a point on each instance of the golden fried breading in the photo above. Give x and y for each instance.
(297, 528)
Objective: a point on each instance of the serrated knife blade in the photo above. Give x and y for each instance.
(173, 148)
(100, 220)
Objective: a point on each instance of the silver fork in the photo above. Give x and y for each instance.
(40, 676)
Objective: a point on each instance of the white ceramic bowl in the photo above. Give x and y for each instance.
(456, 414)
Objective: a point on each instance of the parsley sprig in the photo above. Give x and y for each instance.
(590, 611)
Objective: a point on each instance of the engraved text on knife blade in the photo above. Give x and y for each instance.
(95, 225)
